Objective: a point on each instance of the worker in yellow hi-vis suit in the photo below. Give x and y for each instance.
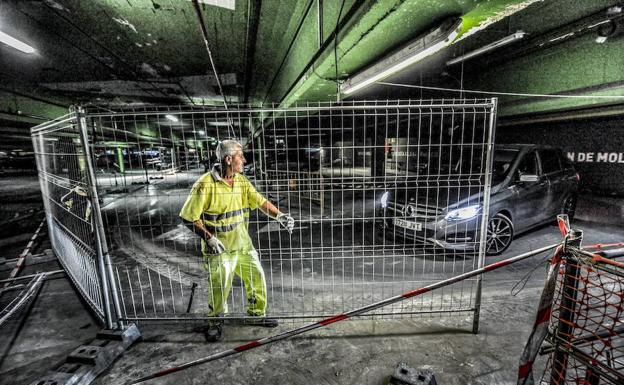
(217, 209)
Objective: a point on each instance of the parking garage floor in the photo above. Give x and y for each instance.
(359, 351)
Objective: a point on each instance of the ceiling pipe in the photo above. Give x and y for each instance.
(355, 9)
(329, 41)
(487, 48)
(319, 21)
(202, 27)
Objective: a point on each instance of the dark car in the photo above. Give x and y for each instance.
(21, 159)
(530, 185)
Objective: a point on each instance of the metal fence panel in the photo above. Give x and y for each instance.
(333, 168)
(63, 178)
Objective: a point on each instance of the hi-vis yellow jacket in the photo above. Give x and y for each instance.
(224, 209)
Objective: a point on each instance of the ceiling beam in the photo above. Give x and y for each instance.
(35, 98)
(292, 42)
(253, 19)
(343, 28)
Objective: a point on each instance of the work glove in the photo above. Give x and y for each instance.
(286, 221)
(215, 245)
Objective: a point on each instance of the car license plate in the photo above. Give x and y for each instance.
(416, 226)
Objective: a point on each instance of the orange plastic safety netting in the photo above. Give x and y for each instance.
(586, 332)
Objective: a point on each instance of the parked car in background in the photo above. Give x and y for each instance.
(530, 185)
(4, 159)
(21, 159)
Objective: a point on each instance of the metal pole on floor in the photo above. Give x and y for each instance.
(341, 317)
(104, 260)
(21, 260)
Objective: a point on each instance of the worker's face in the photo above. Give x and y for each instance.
(237, 161)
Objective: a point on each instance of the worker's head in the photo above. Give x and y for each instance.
(230, 154)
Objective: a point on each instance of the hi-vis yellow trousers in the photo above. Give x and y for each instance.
(221, 269)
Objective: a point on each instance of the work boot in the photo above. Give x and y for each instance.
(261, 321)
(214, 332)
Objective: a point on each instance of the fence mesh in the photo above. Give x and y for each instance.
(587, 324)
(368, 183)
(62, 167)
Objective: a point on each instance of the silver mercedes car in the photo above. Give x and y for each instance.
(530, 185)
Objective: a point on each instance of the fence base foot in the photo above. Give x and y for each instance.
(86, 362)
(405, 375)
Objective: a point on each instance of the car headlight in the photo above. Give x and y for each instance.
(384, 199)
(463, 213)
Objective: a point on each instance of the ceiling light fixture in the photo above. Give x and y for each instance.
(486, 48)
(17, 44)
(172, 118)
(228, 4)
(222, 124)
(415, 51)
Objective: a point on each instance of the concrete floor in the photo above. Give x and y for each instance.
(359, 351)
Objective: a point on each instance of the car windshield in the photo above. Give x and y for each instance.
(455, 162)
(503, 158)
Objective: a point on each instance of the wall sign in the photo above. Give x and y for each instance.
(596, 146)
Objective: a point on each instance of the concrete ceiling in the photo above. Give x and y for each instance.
(138, 51)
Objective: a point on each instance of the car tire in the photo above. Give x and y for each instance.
(499, 234)
(569, 207)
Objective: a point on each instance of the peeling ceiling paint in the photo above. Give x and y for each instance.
(125, 23)
(56, 5)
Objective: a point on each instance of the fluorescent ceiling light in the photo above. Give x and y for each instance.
(486, 48)
(415, 51)
(13, 42)
(222, 124)
(172, 118)
(229, 4)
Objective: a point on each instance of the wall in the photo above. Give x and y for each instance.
(595, 145)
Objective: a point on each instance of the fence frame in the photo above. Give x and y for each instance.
(76, 122)
(79, 116)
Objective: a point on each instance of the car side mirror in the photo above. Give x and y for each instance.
(528, 178)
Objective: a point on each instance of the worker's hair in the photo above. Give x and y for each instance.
(227, 147)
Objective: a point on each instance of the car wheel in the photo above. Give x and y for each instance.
(499, 234)
(569, 206)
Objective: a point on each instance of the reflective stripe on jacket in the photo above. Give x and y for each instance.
(223, 209)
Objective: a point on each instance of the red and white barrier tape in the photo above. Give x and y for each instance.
(540, 327)
(22, 257)
(544, 310)
(340, 317)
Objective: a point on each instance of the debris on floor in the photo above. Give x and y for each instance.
(406, 375)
